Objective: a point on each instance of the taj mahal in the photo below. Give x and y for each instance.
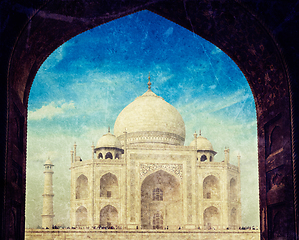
(143, 177)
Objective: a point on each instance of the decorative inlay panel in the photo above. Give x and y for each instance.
(189, 192)
(278, 228)
(274, 140)
(276, 185)
(152, 137)
(145, 168)
(132, 191)
(15, 220)
(16, 174)
(138, 156)
(18, 127)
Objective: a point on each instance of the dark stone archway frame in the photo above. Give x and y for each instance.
(39, 28)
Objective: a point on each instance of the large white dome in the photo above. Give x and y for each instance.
(150, 119)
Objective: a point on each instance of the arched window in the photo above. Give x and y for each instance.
(233, 190)
(82, 187)
(108, 155)
(109, 186)
(158, 221)
(157, 194)
(116, 156)
(211, 158)
(276, 139)
(211, 188)
(233, 219)
(81, 216)
(100, 156)
(108, 216)
(203, 158)
(211, 218)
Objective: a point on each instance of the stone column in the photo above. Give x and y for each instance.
(92, 187)
(224, 192)
(239, 209)
(75, 151)
(226, 153)
(92, 151)
(195, 181)
(48, 215)
(72, 156)
(126, 212)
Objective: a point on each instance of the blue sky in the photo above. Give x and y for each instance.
(82, 87)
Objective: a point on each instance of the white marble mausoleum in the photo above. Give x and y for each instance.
(143, 177)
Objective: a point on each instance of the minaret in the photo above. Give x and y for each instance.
(195, 137)
(72, 156)
(195, 147)
(226, 154)
(92, 151)
(125, 144)
(75, 152)
(47, 216)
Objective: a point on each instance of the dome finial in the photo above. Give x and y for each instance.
(200, 132)
(108, 129)
(149, 81)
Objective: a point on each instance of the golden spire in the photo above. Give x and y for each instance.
(149, 81)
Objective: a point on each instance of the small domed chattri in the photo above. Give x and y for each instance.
(108, 140)
(202, 143)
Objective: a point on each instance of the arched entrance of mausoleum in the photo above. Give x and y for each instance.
(161, 201)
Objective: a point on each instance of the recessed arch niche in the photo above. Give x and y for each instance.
(211, 188)
(233, 190)
(81, 216)
(109, 185)
(82, 187)
(160, 193)
(211, 218)
(109, 216)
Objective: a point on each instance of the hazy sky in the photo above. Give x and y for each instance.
(82, 87)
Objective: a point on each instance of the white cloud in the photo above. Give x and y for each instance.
(212, 86)
(228, 101)
(168, 32)
(215, 104)
(50, 110)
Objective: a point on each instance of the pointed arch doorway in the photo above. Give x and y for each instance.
(258, 57)
(161, 201)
